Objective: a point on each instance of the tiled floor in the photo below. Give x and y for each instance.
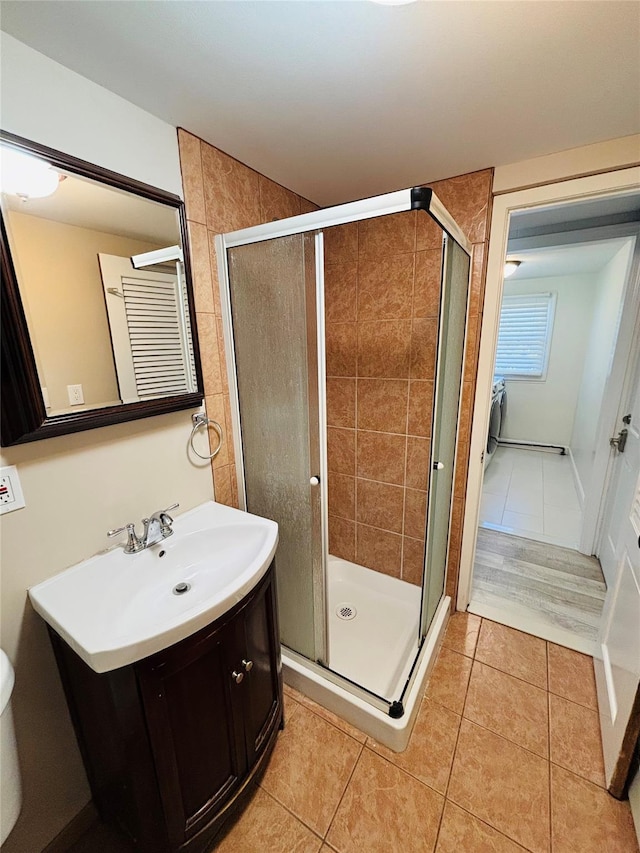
(532, 493)
(505, 757)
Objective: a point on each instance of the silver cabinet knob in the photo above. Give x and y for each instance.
(315, 481)
(237, 676)
(248, 665)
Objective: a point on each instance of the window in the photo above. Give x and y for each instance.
(524, 338)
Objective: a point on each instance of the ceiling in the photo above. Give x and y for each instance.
(577, 259)
(342, 100)
(87, 204)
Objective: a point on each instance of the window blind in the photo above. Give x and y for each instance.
(524, 337)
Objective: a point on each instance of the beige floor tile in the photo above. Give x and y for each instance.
(571, 676)
(290, 707)
(310, 768)
(575, 739)
(461, 832)
(429, 754)
(502, 784)
(586, 819)
(462, 633)
(449, 679)
(385, 809)
(508, 706)
(266, 825)
(513, 652)
(329, 716)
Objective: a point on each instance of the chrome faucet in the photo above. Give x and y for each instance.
(156, 528)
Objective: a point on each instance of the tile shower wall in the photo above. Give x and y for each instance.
(222, 195)
(382, 280)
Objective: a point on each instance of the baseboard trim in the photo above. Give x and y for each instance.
(74, 830)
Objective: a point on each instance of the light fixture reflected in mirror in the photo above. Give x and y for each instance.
(510, 266)
(26, 176)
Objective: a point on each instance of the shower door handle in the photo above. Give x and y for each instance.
(438, 466)
(315, 481)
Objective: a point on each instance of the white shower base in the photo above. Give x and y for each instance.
(377, 647)
(376, 650)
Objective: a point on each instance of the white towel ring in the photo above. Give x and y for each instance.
(201, 420)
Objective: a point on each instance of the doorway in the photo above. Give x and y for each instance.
(563, 330)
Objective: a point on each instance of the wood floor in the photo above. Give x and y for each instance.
(557, 586)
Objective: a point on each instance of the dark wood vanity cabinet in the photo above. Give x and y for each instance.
(172, 743)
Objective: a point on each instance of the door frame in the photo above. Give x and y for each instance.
(578, 189)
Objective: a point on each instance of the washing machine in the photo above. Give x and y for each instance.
(496, 417)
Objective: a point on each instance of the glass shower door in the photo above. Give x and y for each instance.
(453, 313)
(272, 286)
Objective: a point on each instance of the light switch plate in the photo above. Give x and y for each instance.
(11, 496)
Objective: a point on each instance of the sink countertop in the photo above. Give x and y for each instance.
(115, 608)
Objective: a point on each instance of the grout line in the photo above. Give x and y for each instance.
(287, 809)
(504, 737)
(333, 817)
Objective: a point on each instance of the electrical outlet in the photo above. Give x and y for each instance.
(11, 496)
(76, 397)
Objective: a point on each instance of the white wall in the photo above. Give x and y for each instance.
(598, 358)
(77, 487)
(543, 410)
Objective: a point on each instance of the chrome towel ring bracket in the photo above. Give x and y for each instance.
(201, 420)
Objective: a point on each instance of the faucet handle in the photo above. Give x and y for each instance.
(166, 521)
(134, 544)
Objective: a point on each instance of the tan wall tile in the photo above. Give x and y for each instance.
(192, 179)
(385, 288)
(340, 289)
(387, 235)
(231, 192)
(200, 268)
(468, 200)
(384, 349)
(209, 353)
(424, 341)
(418, 451)
(412, 560)
(382, 404)
(341, 243)
(341, 402)
(420, 407)
(378, 549)
(381, 456)
(415, 513)
(342, 538)
(342, 495)
(342, 352)
(380, 505)
(341, 450)
(426, 297)
(276, 202)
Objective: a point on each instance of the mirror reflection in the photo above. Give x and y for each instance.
(101, 277)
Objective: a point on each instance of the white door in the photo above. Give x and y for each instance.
(617, 662)
(150, 330)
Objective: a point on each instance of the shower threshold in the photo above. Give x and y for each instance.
(373, 646)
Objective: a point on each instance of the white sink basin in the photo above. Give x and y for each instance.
(116, 608)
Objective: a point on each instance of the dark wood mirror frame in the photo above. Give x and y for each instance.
(23, 414)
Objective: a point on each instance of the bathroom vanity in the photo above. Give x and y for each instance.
(170, 662)
(173, 742)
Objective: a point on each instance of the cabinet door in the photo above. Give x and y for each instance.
(194, 711)
(262, 684)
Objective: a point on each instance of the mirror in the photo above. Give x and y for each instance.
(97, 308)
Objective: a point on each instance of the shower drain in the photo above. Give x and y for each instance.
(346, 611)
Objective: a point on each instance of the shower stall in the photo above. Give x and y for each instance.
(344, 333)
